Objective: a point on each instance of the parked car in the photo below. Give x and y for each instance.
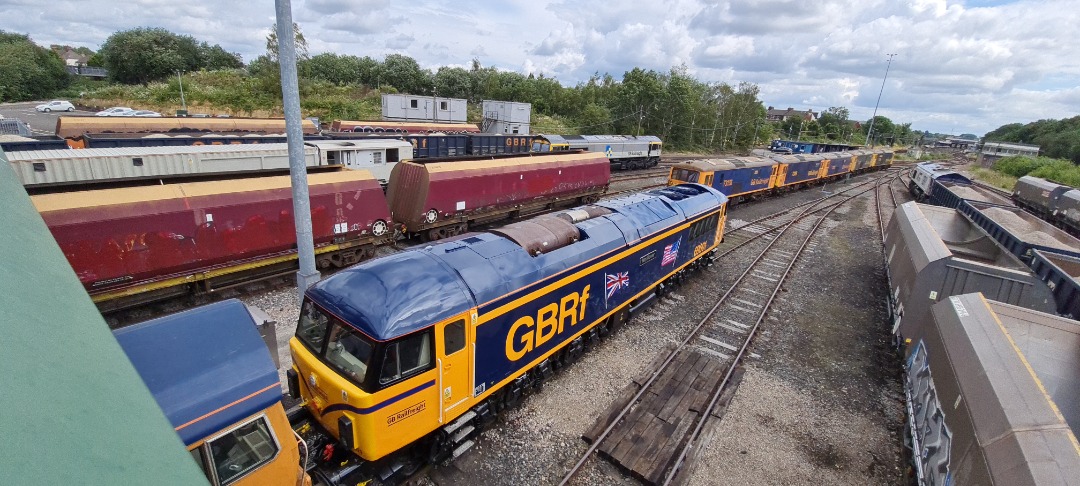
(116, 111)
(145, 113)
(55, 105)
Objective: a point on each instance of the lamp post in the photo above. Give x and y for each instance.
(182, 101)
(870, 131)
(307, 275)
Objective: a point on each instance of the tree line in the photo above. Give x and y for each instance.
(685, 112)
(1056, 138)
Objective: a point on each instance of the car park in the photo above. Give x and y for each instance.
(55, 105)
(116, 111)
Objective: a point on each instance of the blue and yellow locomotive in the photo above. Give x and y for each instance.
(407, 355)
(747, 177)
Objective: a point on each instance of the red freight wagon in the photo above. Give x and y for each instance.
(157, 239)
(441, 199)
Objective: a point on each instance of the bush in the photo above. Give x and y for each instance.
(1058, 170)
(1017, 166)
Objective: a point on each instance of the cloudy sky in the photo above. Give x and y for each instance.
(960, 66)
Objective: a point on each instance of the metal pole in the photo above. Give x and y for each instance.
(290, 94)
(182, 102)
(870, 131)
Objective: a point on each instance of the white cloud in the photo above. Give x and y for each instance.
(958, 67)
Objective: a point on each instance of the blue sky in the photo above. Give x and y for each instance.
(960, 66)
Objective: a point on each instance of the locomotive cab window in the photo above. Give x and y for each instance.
(406, 357)
(685, 175)
(242, 450)
(311, 329)
(454, 337)
(349, 351)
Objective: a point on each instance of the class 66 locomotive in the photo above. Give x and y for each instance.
(749, 177)
(399, 361)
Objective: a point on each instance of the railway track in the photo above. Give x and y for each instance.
(653, 431)
(650, 173)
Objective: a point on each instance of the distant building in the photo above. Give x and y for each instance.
(505, 117)
(772, 114)
(956, 143)
(990, 152)
(70, 57)
(406, 107)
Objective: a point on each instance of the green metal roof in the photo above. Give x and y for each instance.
(74, 409)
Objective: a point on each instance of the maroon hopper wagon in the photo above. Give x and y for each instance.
(156, 240)
(442, 199)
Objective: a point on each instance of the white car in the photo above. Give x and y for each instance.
(145, 113)
(55, 105)
(116, 111)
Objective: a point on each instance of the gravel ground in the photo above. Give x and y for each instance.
(824, 404)
(819, 406)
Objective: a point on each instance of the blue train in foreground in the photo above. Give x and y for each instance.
(402, 358)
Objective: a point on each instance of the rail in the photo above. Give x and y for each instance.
(657, 466)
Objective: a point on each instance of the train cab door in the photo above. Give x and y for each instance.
(709, 179)
(455, 361)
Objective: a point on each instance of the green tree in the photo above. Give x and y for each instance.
(453, 82)
(883, 128)
(148, 54)
(215, 57)
(404, 73)
(834, 123)
(97, 60)
(298, 37)
(29, 71)
(594, 119)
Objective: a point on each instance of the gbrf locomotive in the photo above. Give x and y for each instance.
(407, 355)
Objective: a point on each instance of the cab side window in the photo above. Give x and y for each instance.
(242, 450)
(406, 357)
(454, 337)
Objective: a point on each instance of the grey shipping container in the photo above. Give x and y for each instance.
(933, 253)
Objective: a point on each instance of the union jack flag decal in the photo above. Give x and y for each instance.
(616, 282)
(671, 253)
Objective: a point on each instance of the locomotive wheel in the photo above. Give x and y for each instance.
(379, 228)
